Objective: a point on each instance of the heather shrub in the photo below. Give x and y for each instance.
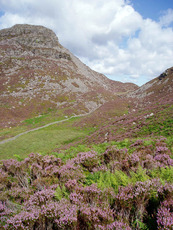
(71, 185)
(131, 201)
(88, 160)
(127, 185)
(42, 182)
(165, 215)
(90, 217)
(93, 207)
(17, 170)
(118, 225)
(163, 160)
(53, 215)
(138, 142)
(42, 166)
(5, 212)
(39, 198)
(18, 194)
(23, 220)
(114, 154)
(70, 171)
(4, 181)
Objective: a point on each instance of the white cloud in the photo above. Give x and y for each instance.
(167, 18)
(108, 35)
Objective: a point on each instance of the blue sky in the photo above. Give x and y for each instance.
(152, 8)
(127, 40)
(1, 13)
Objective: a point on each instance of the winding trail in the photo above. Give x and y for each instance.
(44, 126)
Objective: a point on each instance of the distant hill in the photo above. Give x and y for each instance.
(38, 75)
(157, 89)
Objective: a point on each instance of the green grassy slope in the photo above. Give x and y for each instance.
(43, 141)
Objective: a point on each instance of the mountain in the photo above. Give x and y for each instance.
(150, 113)
(39, 75)
(160, 88)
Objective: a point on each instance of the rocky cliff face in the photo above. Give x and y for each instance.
(38, 74)
(156, 90)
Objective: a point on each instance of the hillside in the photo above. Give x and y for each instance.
(160, 88)
(38, 75)
(111, 169)
(150, 112)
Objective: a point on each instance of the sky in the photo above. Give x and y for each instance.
(127, 40)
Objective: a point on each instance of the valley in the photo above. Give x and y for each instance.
(77, 150)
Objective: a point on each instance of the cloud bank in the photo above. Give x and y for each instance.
(108, 35)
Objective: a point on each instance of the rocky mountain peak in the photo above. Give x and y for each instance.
(29, 35)
(32, 40)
